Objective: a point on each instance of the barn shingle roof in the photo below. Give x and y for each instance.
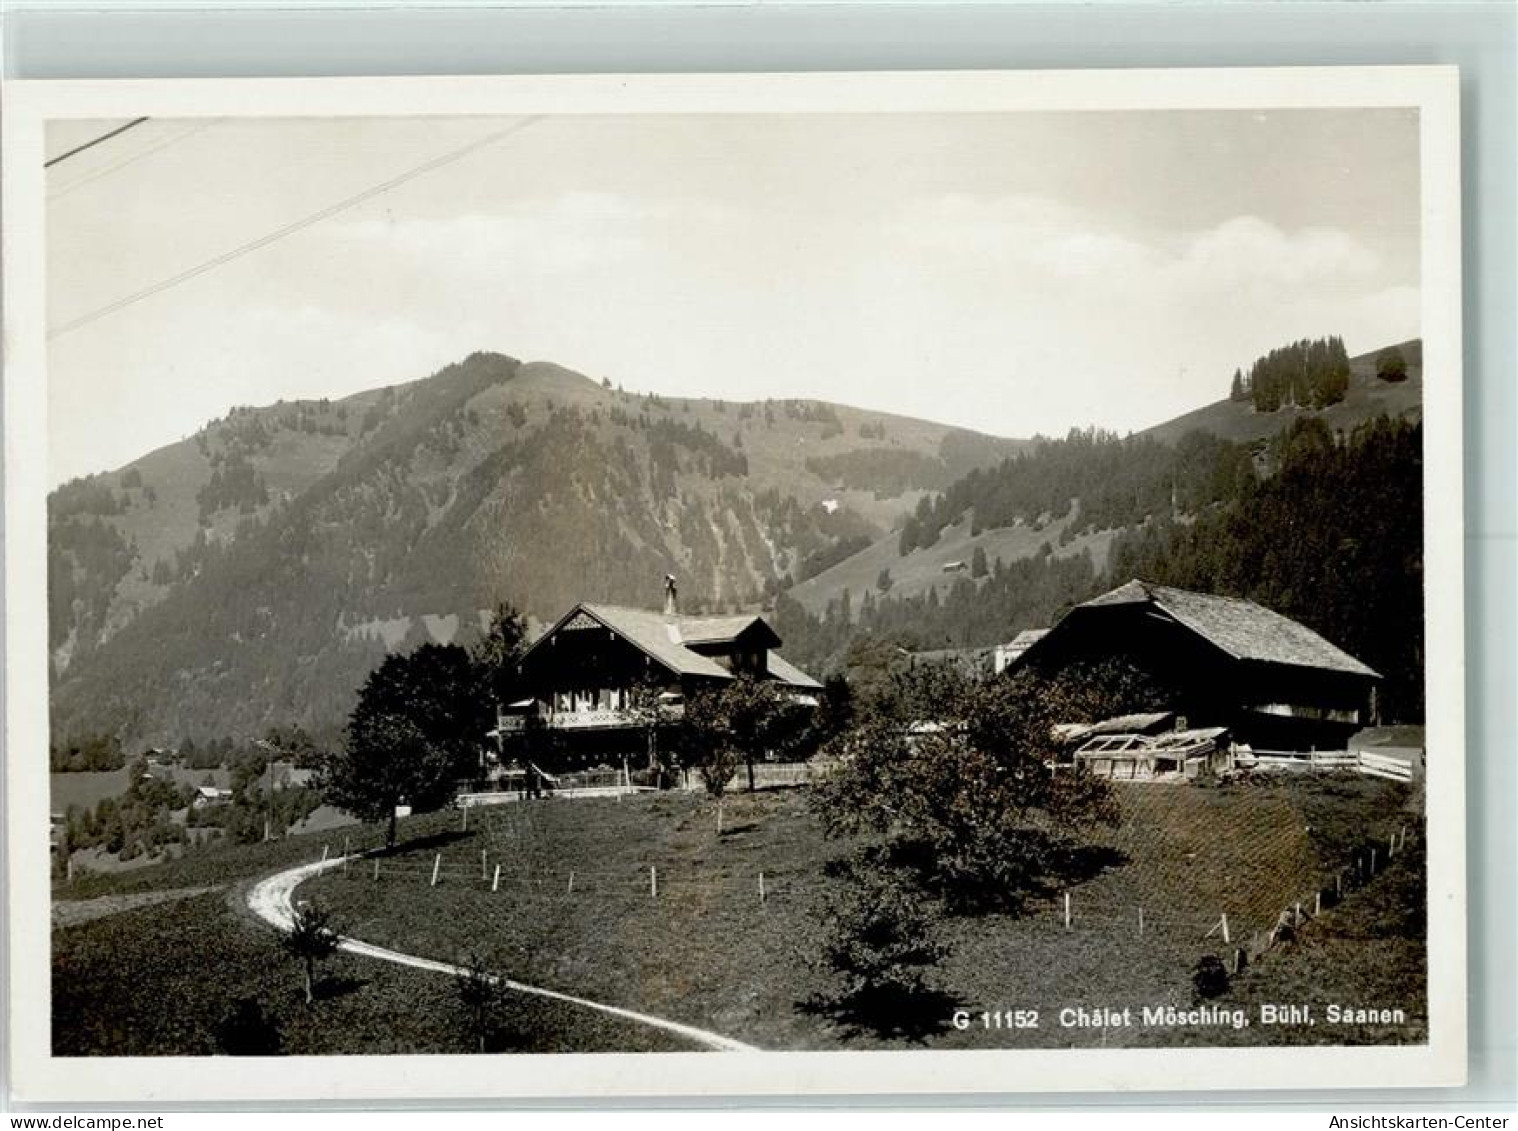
(1239, 627)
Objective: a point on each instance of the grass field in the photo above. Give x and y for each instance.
(223, 863)
(166, 978)
(85, 790)
(173, 979)
(706, 951)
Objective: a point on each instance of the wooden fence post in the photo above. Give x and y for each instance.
(324, 854)
(1067, 911)
(1141, 922)
(436, 864)
(346, 853)
(1317, 904)
(1339, 884)
(1297, 920)
(653, 882)
(1372, 861)
(464, 809)
(376, 867)
(495, 884)
(1226, 939)
(484, 866)
(571, 881)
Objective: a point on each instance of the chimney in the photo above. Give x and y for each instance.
(669, 594)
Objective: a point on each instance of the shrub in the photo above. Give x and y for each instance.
(1391, 365)
(879, 948)
(311, 940)
(1210, 979)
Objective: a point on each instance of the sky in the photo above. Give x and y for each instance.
(1016, 273)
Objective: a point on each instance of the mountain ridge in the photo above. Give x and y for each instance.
(305, 534)
(940, 565)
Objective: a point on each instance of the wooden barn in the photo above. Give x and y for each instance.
(1227, 662)
(591, 682)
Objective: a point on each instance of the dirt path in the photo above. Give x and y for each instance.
(72, 912)
(271, 900)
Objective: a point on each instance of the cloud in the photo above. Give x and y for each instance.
(1070, 243)
(569, 234)
(1247, 250)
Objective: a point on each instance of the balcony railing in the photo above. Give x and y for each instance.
(588, 719)
(592, 719)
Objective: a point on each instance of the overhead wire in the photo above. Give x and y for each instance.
(117, 132)
(99, 174)
(289, 229)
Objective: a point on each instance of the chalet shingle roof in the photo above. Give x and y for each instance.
(664, 637)
(1239, 627)
(708, 630)
(787, 672)
(658, 635)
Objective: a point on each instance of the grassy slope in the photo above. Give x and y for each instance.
(85, 789)
(708, 953)
(913, 575)
(1368, 397)
(194, 960)
(1368, 952)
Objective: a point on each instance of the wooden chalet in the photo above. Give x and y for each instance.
(589, 685)
(1228, 662)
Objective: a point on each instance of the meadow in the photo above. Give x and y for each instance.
(641, 903)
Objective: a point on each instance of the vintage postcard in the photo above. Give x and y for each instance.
(747, 585)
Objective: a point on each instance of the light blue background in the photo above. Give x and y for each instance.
(245, 39)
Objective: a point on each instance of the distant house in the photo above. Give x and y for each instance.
(207, 795)
(1011, 653)
(1274, 683)
(591, 681)
(954, 567)
(989, 659)
(971, 661)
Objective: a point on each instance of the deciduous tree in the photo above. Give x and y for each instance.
(419, 726)
(953, 772)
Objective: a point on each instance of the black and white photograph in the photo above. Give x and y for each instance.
(807, 565)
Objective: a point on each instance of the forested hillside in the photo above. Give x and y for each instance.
(252, 575)
(1323, 526)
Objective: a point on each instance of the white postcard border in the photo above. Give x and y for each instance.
(39, 1077)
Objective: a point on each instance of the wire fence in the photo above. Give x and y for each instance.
(1240, 929)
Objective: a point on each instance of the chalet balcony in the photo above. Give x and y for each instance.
(597, 718)
(600, 718)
